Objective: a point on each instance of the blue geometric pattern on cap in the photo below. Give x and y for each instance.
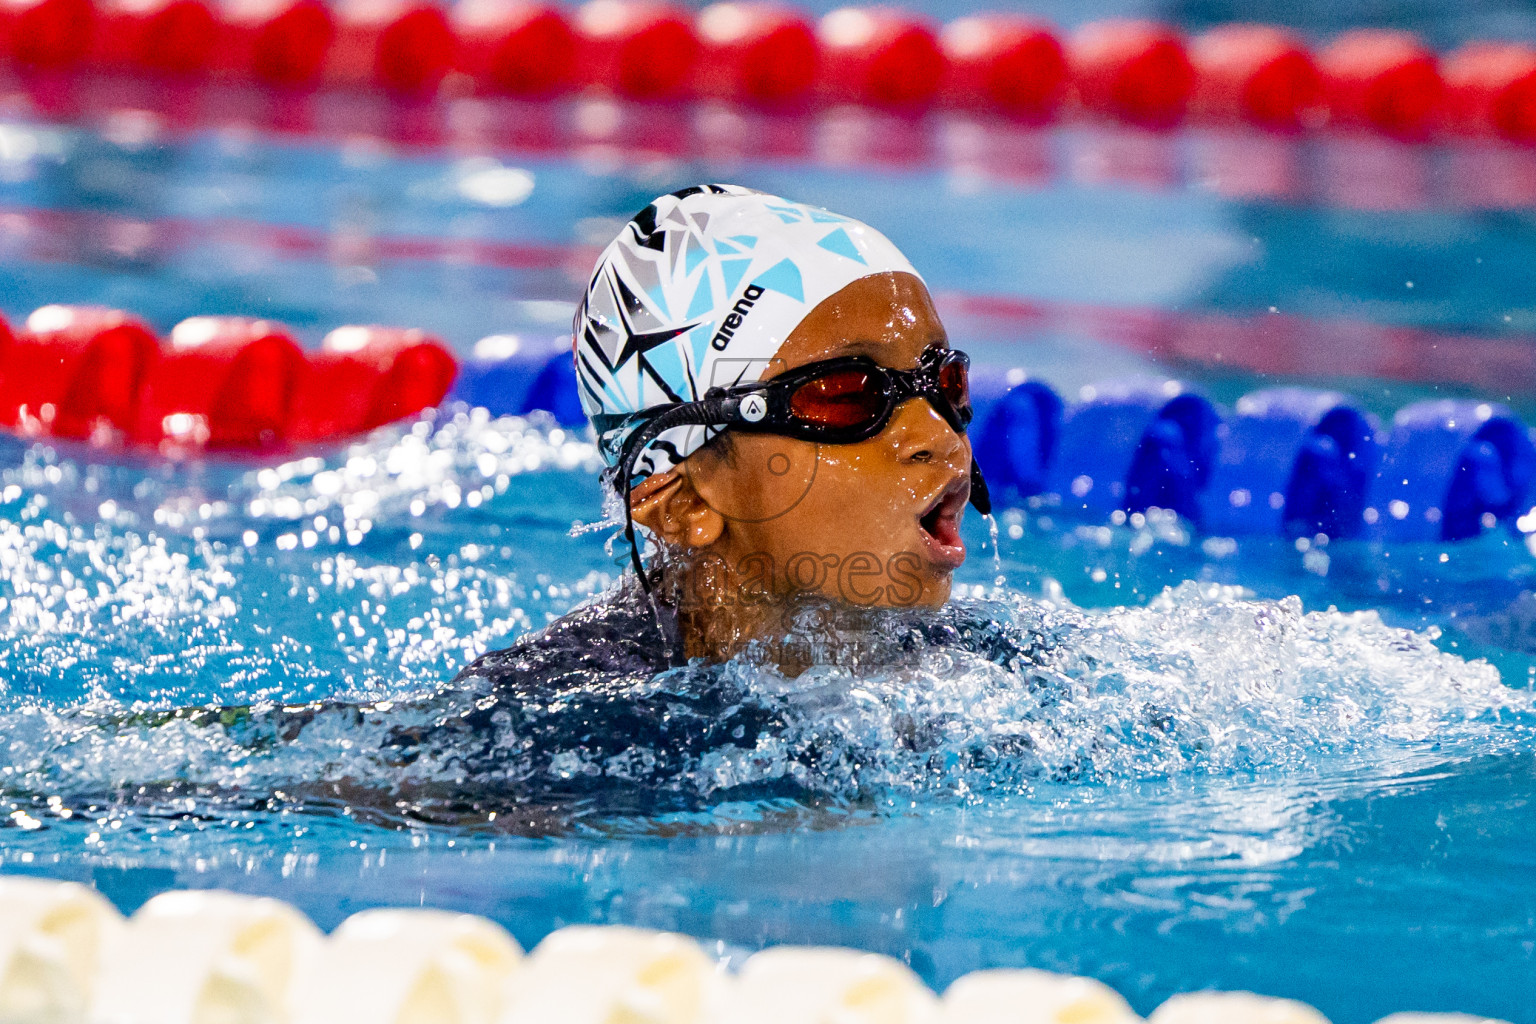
(839, 242)
(783, 277)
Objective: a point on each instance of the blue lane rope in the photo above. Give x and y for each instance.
(1290, 462)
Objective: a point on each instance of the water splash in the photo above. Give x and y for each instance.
(998, 579)
(325, 600)
(1201, 681)
(377, 568)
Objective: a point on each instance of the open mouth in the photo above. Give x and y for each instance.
(940, 525)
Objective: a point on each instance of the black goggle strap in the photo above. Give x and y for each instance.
(980, 496)
(714, 410)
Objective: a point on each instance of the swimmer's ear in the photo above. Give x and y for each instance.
(668, 505)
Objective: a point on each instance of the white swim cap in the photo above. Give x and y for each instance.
(698, 291)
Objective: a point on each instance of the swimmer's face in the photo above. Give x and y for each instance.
(876, 522)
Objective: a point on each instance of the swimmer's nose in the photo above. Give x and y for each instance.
(920, 434)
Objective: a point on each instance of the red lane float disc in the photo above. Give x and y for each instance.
(517, 47)
(172, 37)
(879, 56)
(1382, 79)
(223, 382)
(48, 35)
(1255, 73)
(76, 372)
(1135, 71)
(642, 49)
(280, 42)
(1491, 89)
(402, 46)
(759, 52)
(365, 377)
(1005, 63)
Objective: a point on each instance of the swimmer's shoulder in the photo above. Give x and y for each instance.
(612, 635)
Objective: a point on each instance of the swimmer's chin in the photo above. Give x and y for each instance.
(934, 577)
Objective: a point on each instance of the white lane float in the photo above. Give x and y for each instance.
(1032, 997)
(206, 958)
(52, 937)
(818, 985)
(410, 966)
(616, 975)
(68, 957)
(1233, 1008)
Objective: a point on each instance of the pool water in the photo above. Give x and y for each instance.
(1301, 768)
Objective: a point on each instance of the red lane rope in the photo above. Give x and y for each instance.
(1347, 170)
(216, 383)
(769, 54)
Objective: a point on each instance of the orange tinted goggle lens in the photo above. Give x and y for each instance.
(955, 384)
(848, 398)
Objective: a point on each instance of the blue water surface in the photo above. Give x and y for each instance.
(1297, 767)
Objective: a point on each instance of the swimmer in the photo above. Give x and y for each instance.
(781, 412)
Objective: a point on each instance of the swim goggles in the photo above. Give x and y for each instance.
(835, 401)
